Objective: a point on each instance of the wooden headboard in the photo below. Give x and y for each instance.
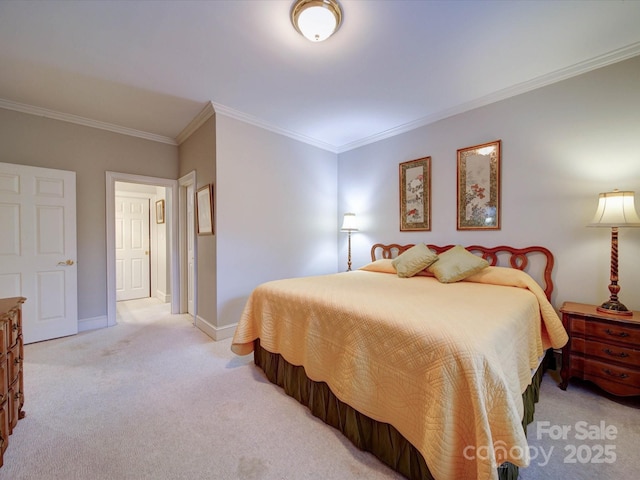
(496, 256)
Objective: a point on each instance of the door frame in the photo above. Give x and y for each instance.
(171, 210)
(183, 182)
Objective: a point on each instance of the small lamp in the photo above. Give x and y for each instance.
(316, 20)
(615, 209)
(349, 225)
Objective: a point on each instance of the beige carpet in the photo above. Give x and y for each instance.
(583, 433)
(155, 398)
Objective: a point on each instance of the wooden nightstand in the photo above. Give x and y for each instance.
(602, 348)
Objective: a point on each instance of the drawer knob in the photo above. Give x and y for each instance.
(615, 375)
(614, 354)
(608, 331)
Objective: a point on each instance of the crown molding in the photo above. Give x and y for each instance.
(212, 108)
(614, 56)
(205, 114)
(243, 117)
(87, 122)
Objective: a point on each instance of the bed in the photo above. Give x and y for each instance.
(436, 378)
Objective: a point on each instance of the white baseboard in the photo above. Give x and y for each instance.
(163, 296)
(217, 333)
(85, 324)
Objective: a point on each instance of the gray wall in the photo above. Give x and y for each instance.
(41, 142)
(198, 153)
(279, 202)
(276, 212)
(561, 146)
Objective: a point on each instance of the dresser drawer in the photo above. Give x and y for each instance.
(15, 327)
(4, 377)
(15, 402)
(613, 378)
(625, 355)
(14, 362)
(4, 427)
(605, 331)
(11, 369)
(5, 338)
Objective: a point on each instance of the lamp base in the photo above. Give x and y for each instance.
(614, 307)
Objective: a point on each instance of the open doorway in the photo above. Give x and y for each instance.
(138, 186)
(141, 242)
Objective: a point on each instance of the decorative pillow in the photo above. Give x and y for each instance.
(457, 264)
(382, 266)
(411, 261)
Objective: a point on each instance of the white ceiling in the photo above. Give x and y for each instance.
(151, 66)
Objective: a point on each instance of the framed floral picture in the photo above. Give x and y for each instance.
(415, 195)
(479, 187)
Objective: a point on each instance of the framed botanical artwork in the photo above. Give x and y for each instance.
(160, 211)
(415, 195)
(204, 210)
(479, 187)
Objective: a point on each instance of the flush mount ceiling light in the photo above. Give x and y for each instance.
(317, 20)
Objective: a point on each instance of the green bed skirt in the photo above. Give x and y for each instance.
(380, 439)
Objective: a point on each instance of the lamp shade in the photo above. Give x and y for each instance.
(616, 209)
(349, 223)
(316, 20)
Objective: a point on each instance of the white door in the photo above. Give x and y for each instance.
(38, 248)
(190, 248)
(132, 248)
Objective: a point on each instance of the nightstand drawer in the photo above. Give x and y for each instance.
(603, 348)
(605, 331)
(615, 353)
(626, 380)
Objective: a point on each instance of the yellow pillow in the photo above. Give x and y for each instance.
(382, 266)
(411, 261)
(457, 264)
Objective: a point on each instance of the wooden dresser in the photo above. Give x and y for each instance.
(11, 357)
(603, 348)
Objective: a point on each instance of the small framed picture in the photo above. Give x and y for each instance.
(204, 210)
(415, 195)
(160, 211)
(479, 187)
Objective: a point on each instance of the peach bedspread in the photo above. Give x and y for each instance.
(445, 364)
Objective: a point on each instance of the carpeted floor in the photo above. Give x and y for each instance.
(155, 398)
(582, 433)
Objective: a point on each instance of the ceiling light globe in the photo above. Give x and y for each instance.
(316, 20)
(316, 23)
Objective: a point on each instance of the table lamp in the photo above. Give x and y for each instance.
(615, 209)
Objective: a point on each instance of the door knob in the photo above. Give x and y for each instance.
(66, 264)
